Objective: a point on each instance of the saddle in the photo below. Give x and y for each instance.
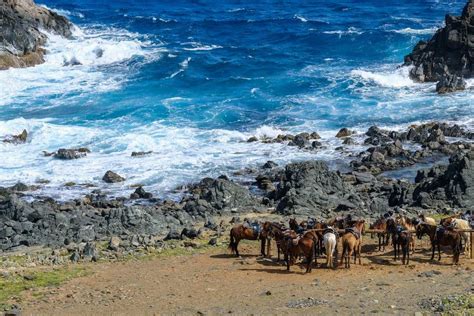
(311, 223)
(354, 231)
(329, 230)
(256, 228)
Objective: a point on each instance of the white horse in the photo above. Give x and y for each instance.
(330, 242)
(463, 224)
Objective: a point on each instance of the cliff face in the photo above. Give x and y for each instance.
(21, 37)
(448, 55)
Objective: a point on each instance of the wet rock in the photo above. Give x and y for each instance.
(252, 139)
(21, 28)
(141, 153)
(112, 177)
(450, 83)
(344, 132)
(269, 165)
(69, 154)
(445, 57)
(348, 141)
(17, 139)
(140, 193)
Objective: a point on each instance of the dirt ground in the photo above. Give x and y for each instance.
(214, 282)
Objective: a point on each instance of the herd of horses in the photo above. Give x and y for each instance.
(311, 239)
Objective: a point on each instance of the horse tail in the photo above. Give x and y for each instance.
(232, 241)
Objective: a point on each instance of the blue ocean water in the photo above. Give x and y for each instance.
(192, 80)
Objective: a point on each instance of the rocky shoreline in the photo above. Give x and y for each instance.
(23, 25)
(447, 58)
(308, 188)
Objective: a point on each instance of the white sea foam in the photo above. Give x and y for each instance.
(409, 30)
(183, 66)
(301, 18)
(74, 65)
(180, 155)
(63, 12)
(398, 78)
(350, 31)
(196, 46)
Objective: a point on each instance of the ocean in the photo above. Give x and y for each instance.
(193, 80)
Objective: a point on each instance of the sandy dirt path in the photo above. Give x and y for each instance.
(215, 283)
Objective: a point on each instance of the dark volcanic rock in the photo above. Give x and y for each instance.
(344, 132)
(69, 154)
(447, 186)
(21, 40)
(450, 83)
(140, 193)
(112, 177)
(449, 53)
(309, 188)
(219, 195)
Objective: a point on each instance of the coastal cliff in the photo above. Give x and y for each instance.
(22, 37)
(448, 56)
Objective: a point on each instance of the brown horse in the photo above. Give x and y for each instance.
(401, 238)
(301, 245)
(441, 236)
(381, 224)
(408, 225)
(278, 232)
(352, 242)
(239, 232)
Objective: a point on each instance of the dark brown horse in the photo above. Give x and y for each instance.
(381, 224)
(239, 232)
(401, 238)
(441, 236)
(277, 231)
(301, 245)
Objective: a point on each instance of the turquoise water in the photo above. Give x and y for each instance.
(192, 80)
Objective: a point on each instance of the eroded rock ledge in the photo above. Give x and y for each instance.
(448, 56)
(22, 26)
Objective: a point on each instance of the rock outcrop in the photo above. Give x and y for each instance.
(451, 185)
(448, 56)
(309, 187)
(21, 36)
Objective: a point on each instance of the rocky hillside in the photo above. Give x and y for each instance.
(22, 23)
(449, 55)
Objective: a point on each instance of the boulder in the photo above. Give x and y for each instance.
(112, 177)
(69, 154)
(140, 193)
(310, 187)
(17, 139)
(344, 132)
(450, 83)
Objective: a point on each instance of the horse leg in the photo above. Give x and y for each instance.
(236, 244)
(358, 252)
(404, 250)
(262, 247)
(433, 246)
(408, 257)
(343, 256)
(439, 251)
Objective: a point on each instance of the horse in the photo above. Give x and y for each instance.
(352, 242)
(408, 225)
(441, 236)
(401, 238)
(458, 223)
(298, 228)
(239, 232)
(381, 224)
(428, 220)
(330, 244)
(303, 244)
(278, 232)
(340, 222)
